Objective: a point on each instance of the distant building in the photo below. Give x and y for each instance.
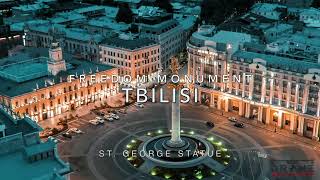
(278, 30)
(79, 42)
(105, 26)
(270, 11)
(30, 9)
(5, 5)
(310, 14)
(132, 3)
(92, 11)
(164, 30)
(311, 17)
(68, 18)
(39, 87)
(132, 57)
(21, 148)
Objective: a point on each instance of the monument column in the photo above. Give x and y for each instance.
(175, 121)
(175, 140)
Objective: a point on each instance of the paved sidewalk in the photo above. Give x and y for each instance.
(270, 128)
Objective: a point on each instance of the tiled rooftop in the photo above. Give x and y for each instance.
(277, 62)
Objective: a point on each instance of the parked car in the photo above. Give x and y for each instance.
(99, 119)
(139, 105)
(76, 130)
(67, 135)
(114, 116)
(239, 125)
(232, 119)
(110, 119)
(94, 122)
(210, 124)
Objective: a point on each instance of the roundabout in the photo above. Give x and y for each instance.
(205, 158)
(176, 155)
(219, 158)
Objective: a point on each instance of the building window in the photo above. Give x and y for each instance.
(287, 122)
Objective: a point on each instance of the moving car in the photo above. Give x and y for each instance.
(232, 119)
(67, 135)
(239, 125)
(76, 130)
(210, 124)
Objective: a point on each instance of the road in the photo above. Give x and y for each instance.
(259, 150)
(82, 150)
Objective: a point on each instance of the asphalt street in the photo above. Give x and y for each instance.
(261, 152)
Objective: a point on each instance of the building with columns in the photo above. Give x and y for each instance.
(41, 88)
(281, 91)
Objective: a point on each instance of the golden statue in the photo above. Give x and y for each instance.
(174, 65)
(174, 69)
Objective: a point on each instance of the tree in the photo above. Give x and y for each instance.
(315, 3)
(164, 4)
(216, 11)
(124, 14)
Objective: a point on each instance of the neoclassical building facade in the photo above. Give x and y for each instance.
(281, 92)
(48, 91)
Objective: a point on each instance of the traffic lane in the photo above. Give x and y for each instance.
(106, 165)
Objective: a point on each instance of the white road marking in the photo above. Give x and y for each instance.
(250, 165)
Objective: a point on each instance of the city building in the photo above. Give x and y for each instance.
(132, 56)
(6, 5)
(163, 29)
(270, 11)
(133, 4)
(311, 17)
(77, 41)
(23, 155)
(311, 14)
(30, 9)
(282, 92)
(105, 26)
(41, 88)
(278, 30)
